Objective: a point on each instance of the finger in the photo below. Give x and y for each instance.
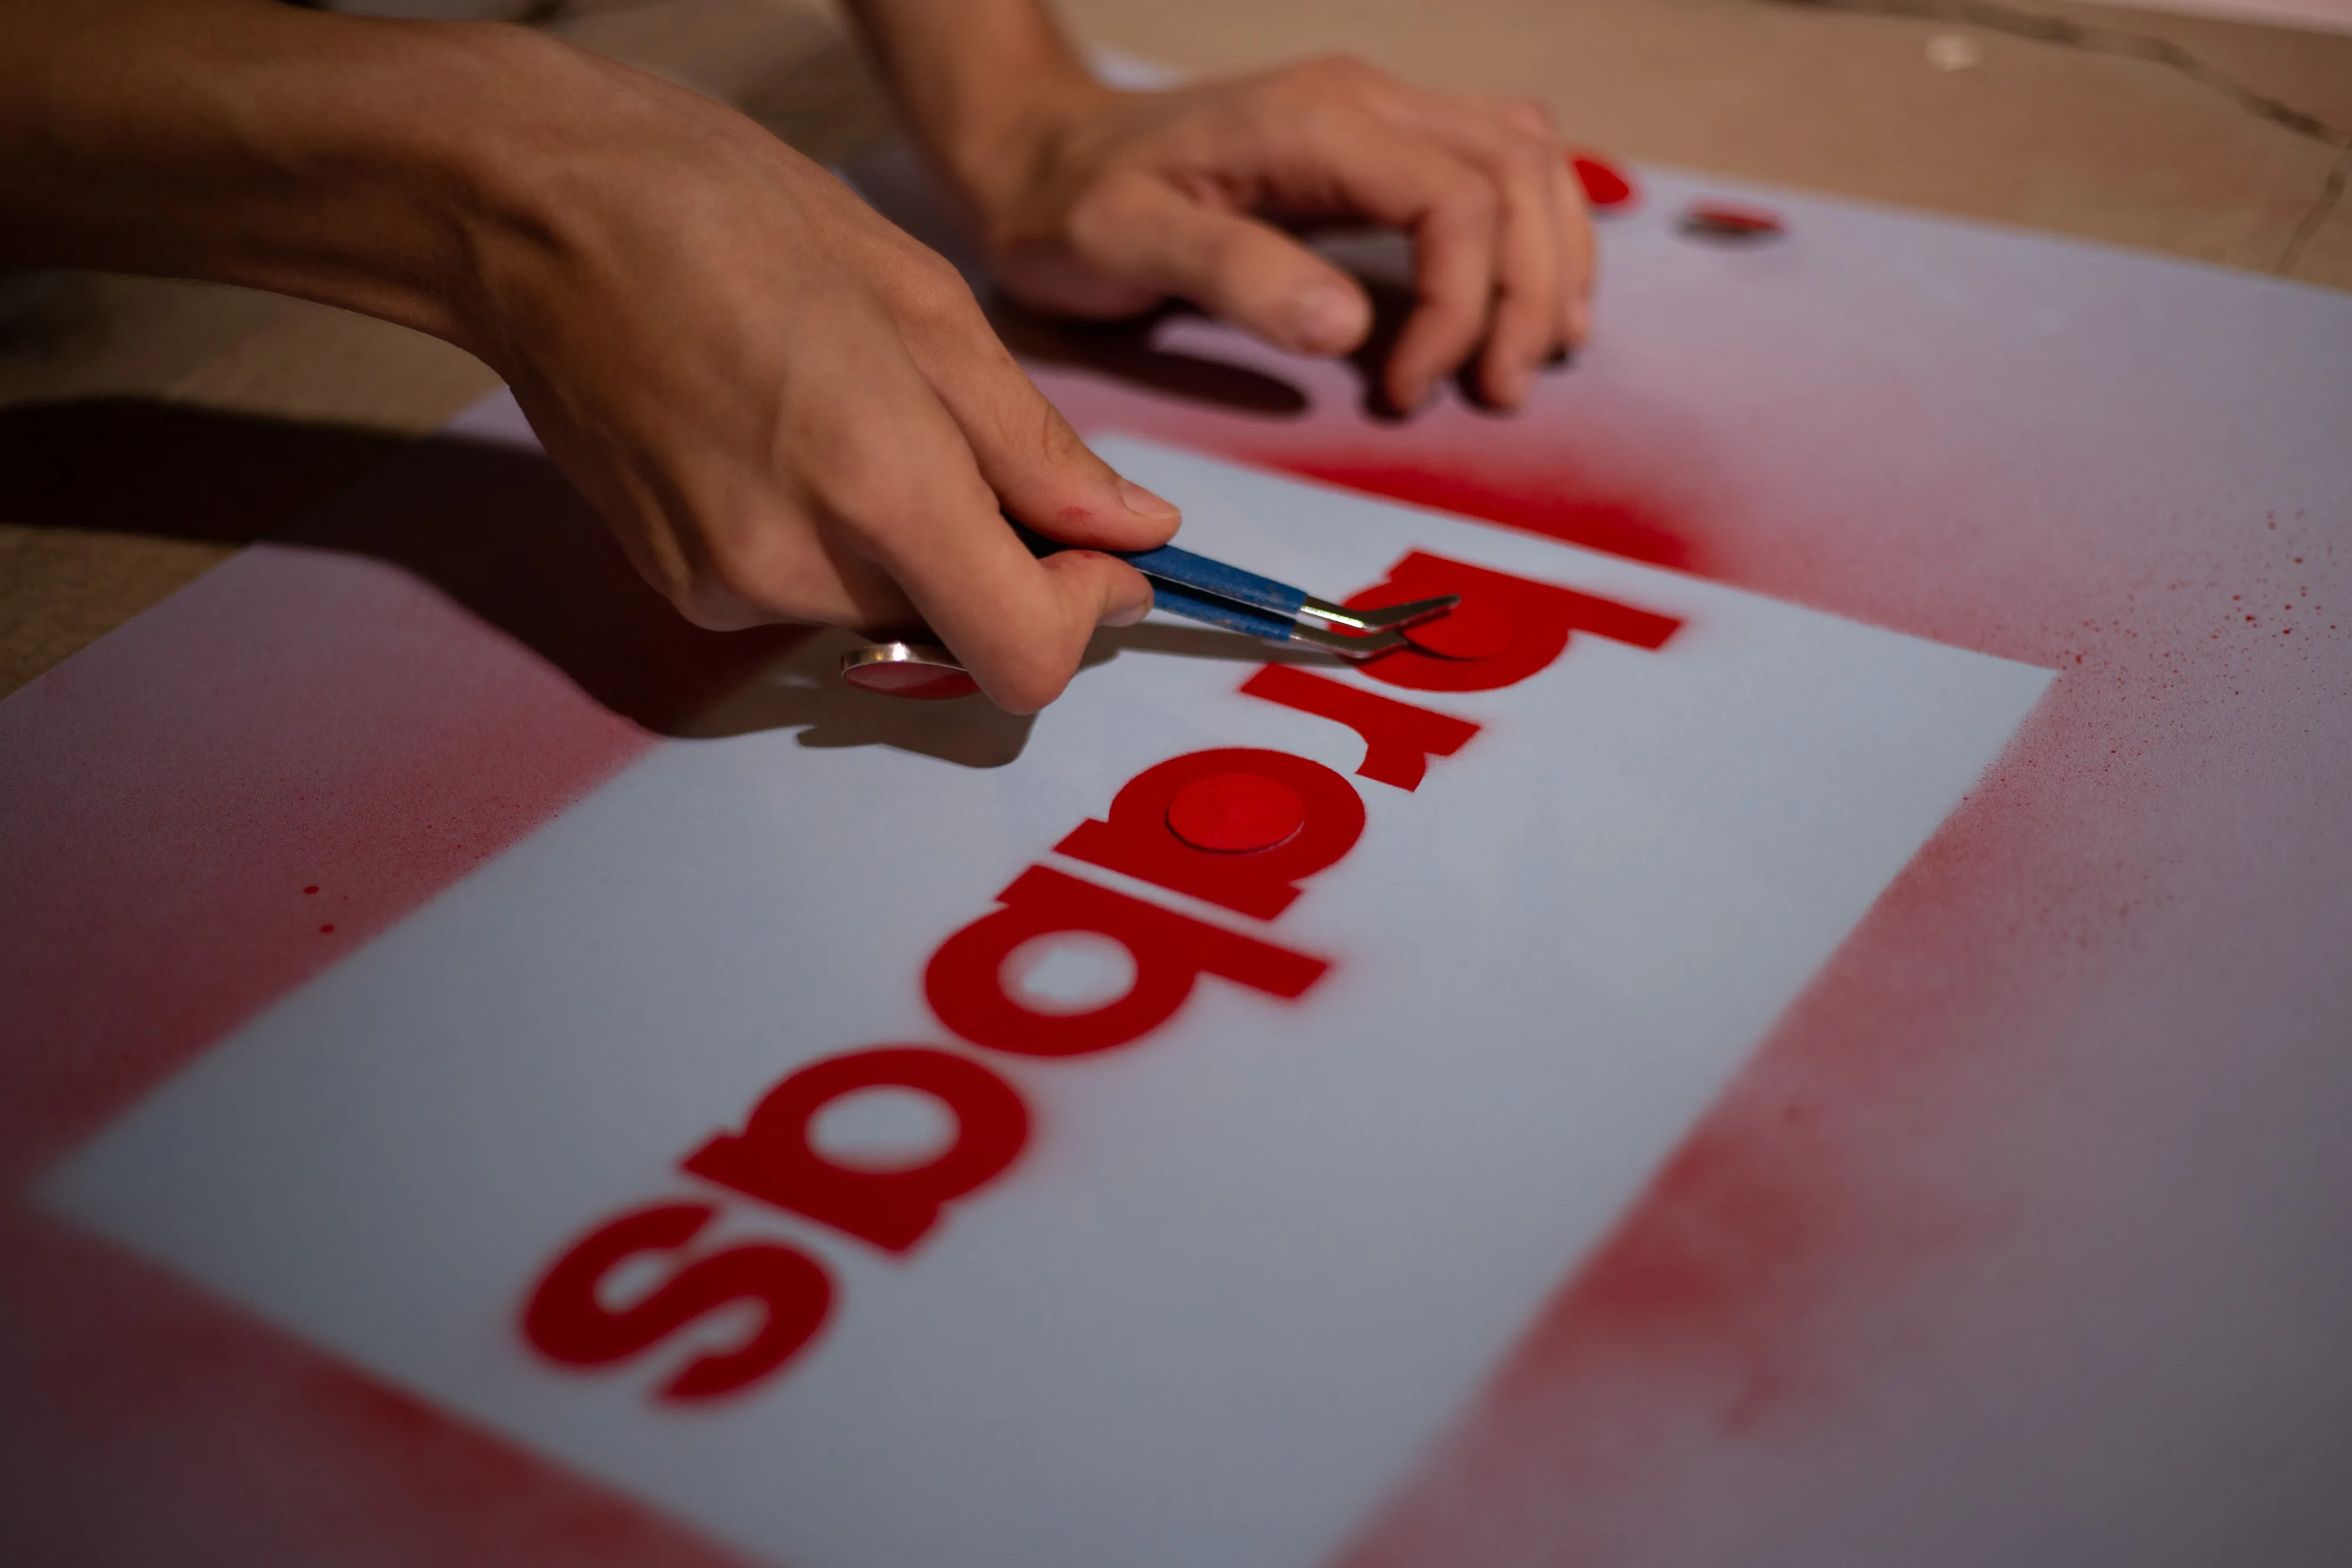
(1233, 267)
(1324, 153)
(1572, 210)
(1453, 276)
(1019, 624)
(1577, 249)
(908, 486)
(1026, 452)
(1513, 150)
(1352, 159)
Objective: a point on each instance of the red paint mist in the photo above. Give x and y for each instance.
(1541, 504)
(294, 712)
(157, 1425)
(1783, 1268)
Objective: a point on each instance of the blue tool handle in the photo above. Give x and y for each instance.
(1183, 569)
(1216, 612)
(1168, 567)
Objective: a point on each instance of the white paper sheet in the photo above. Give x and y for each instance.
(1248, 1267)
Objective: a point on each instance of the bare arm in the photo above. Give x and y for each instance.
(785, 408)
(245, 141)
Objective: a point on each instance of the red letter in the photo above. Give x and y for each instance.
(1140, 840)
(966, 982)
(1531, 621)
(1399, 738)
(567, 1324)
(772, 1161)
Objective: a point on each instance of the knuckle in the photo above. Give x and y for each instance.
(714, 611)
(858, 485)
(1058, 443)
(735, 590)
(1333, 79)
(1529, 118)
(1029, 682)
(931, 289)
(1469, 204)
(1330, 70)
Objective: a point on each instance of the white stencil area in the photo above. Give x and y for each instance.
(1248, 1265)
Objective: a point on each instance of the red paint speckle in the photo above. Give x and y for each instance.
(326, 930)
(312, 888)
(1725, 221)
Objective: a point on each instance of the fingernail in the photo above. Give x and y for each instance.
(1511, 388)
(1327, 320)
(1144, 504)
(1131, 612)
(1579, 321)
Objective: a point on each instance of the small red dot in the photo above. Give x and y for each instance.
(326, 930)
(1605, 185)
(312, 888)
(1731, 222)
(1236, 813)
(1473, 629)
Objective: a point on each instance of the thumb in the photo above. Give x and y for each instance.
(1234, 267)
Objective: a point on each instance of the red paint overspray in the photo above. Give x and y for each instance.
(156, 1425)
(299, 719)
(301, 734)
(1892, 1145)
(1555, 504)
(1688, 1340)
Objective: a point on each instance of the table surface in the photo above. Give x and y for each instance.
(2220, 140)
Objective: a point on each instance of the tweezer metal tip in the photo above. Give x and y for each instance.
(1394, 617)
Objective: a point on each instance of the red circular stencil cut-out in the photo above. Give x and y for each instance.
(1473, 629)
(1605, 186)
(1236, 813)
(929, 683)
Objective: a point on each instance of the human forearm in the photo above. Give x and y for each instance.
(785, 408)
(980, 82)
(358, 162)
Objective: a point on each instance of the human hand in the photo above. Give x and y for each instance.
(1101, 204)
(787, 409)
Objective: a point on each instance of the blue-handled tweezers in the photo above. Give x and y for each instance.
(1200, 589)
(1183, 584)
